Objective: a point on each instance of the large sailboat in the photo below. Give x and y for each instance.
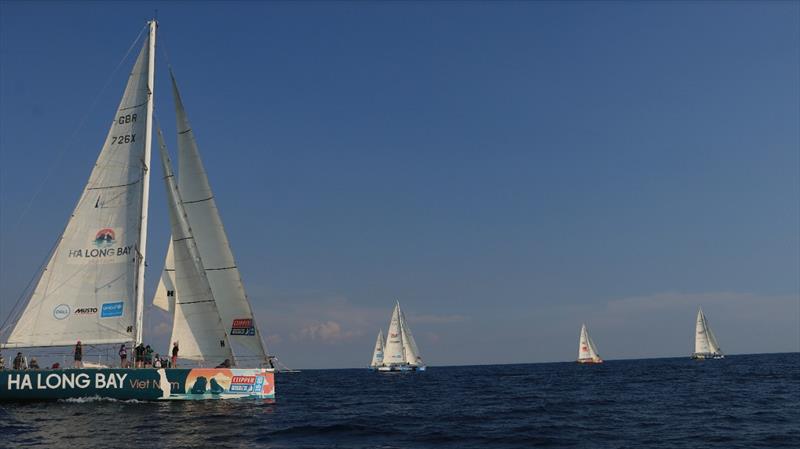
(400, 353)
(705, 343)
(587, 351)
(92, 289)
(377, 353)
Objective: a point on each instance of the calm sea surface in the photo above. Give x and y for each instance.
(741, 401)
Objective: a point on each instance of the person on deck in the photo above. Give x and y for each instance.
(148, 356)
(34, 363)
(225, 364)
(123, 356)
(174, 355)
(19, 361)
(138, 355)
(157, 361)
(78, 355)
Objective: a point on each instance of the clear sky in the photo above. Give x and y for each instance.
(508, 170)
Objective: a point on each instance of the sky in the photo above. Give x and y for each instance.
(507, 170)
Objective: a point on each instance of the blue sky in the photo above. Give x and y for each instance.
(507, 170)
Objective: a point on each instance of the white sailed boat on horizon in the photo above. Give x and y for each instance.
(91, 290)
(400, 352)
(587, 351)
(377, 353)
(705, 343)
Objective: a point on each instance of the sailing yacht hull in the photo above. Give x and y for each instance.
(396, 368)
(698, 356)
(590, 361)
(146, 384)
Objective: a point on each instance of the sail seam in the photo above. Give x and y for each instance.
(184, 132)
(134, 107)
(220, 269)
(115, 186)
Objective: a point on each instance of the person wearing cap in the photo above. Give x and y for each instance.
(78, 355)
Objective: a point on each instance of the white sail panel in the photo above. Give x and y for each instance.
(164, 297)
(377, 353)
(584, 349)
(393, 352)
(87, 291)
(701, 345)
(411, 352)
(212, 242)
(197, 327)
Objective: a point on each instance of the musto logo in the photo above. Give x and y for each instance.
(243, 326)
(85, 311)
(104, 237)
(61, 311)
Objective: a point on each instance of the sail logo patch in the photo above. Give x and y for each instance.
(243, 326)
(86, 311)
(112, 309)
(61, 311)
(104, 237)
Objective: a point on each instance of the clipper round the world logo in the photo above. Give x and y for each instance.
(104, 237)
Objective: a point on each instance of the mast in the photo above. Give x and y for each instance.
(148, 137)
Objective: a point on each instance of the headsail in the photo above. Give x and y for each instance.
(88, 290)
(165, 292)
(197, 326)
(377, 353)
(409, 344)
(212, 243)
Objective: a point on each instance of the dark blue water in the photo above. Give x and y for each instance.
(739, 402)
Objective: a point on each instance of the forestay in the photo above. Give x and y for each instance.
(197, 326)
(88, 289)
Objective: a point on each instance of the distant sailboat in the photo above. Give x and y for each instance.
(587, 351)
(400, 353)
(377, 354)
(705, 343)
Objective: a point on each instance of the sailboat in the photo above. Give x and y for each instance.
(705, 343)
(587, 351)
(377, 353)
(400, 353)
(92, 288)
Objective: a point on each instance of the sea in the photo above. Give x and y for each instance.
(742, 401)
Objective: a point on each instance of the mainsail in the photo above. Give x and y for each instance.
(705, 342)
(212, 243)
(197, 326)
(377, 354)
(587, 351)
(88, 290)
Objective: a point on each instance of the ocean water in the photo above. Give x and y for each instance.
(740, 402)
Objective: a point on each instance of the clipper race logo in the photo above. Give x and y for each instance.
(104, 238)
(243, 326)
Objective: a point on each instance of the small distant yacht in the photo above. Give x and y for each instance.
(400, 352)
(587, 351)
(377, 354)
(705, 343)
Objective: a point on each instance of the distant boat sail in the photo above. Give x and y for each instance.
(705, 343)
(400, 352)
(377, 354)
(587, 351)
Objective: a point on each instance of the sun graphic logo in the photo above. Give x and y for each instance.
(104, 237)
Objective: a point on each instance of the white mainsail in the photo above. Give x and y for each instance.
(394, 352)
(586, 347)
(377, 353)
(704, 341)
(197, 326)
(212, 243)
(88, 290)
